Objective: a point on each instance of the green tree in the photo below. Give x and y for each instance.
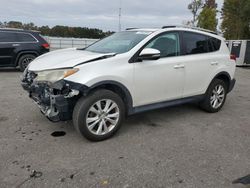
(59, 31)
(246, 19)
(29, 26)
(15, 24)
(45, 30)
(236, 19)
(195, 7)
(207, 18)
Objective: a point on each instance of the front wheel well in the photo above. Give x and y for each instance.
(22, 54)
(119, 90)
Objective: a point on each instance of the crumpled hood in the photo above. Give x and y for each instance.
(64, 59)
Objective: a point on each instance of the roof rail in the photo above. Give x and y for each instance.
(131, 28)
(169, 26)
(190, 27)
(18, 29)
(34, 31)
(11, 28)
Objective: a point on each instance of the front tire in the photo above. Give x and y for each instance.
(25, 60)
(215, 96)
(99, 116)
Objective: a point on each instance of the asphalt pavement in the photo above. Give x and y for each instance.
(173, 147)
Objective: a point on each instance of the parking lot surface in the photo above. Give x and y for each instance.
(173, 147)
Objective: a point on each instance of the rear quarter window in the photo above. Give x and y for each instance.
(195, 43)
(214, 44)
(42, 38)
(25, 37)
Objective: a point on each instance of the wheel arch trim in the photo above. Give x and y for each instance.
(129, 99)
(25, 53)
(225, 74)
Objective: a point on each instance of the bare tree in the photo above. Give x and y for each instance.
(187, 23)
(195, 7)
(211, 4)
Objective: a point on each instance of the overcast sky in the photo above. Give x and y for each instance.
(101, 14)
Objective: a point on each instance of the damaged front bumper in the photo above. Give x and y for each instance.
(56, 101)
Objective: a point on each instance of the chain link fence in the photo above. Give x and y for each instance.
(60, 43)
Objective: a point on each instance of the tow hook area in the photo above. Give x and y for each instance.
(50, 111)
(56, 101)
(61, 106)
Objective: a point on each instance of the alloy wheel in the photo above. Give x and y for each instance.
(26, 61)
(218, 96)
(103, 117)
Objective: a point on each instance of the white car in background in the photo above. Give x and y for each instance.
(130, 72)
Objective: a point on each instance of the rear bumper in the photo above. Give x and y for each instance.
(231, 85)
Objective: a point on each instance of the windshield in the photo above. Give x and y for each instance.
(119, 42)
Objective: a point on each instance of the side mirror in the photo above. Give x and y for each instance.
(149, 54)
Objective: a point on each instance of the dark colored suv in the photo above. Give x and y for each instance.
(19, 47)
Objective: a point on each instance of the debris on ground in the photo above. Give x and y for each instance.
(36, 174)
(244, 180)
(58, 133)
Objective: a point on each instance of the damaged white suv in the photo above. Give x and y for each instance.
(130, 72)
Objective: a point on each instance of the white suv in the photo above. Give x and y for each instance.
(130, 72)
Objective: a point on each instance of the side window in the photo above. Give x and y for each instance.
(168, 44)
(25, 37)
(195, 43)
(7, 37)
(214, 44)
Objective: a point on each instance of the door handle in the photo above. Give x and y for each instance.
(14, 45)
(179, 66)
(214, 63)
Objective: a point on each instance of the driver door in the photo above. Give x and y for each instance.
(163, 79)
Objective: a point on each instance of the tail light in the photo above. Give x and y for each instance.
(233, 57)
(46, 46)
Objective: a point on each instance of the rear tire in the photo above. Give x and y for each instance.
(25, 60)
(215, 96)
(99, 116)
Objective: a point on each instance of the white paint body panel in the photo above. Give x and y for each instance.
(148, 81)
(62, 59)
(158, 80)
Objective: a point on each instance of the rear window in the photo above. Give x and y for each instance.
(198, 43)
(7, 36)
(25, 37)
(195, 43)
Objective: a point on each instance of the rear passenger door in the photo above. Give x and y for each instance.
(201, 62)
(7, 47)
